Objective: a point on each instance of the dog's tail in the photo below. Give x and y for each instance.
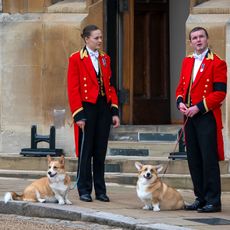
(9, 196)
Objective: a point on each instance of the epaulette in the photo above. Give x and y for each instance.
(102, 53)
(218, 57)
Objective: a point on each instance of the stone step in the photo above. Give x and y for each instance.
(147, 148)
(144, 140)
(145, 133)
(127, 164)
(147, 128)
(19, 162)
(68, 6)
(175, 180)
(118, 164)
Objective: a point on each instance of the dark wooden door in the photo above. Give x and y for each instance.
(151, 93)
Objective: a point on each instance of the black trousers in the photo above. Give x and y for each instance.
(96, 134)
(201, 143)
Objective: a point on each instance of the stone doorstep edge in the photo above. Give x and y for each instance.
(74, 213)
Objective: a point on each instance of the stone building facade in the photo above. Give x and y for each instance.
(38, 36)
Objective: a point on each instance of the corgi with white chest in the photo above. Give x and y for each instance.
(155, 194)
(53, 188)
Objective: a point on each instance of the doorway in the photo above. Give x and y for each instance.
(151, 94)
(141, 59)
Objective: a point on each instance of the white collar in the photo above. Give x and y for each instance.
(92, 53)
(200, 56)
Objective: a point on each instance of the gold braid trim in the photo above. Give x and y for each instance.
(77, 111)
(114, 105)
(205, 105)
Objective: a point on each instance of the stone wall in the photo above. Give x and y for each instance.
(34, 59)
(25, 6)
(34, 52)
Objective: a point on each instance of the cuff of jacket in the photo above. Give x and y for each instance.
(203, 106)
(178, 101)
(114, 110)
(79, 115)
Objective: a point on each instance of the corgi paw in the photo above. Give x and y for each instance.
(156, 209)
(61, 202)
(147, 207)
(42, 200)
(68, 202)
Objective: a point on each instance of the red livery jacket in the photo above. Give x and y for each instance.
(83, 84)
(207, 91)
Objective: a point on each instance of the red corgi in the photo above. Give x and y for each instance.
(155, 194)
(53, 188)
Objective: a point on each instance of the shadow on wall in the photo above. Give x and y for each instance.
(54, 1)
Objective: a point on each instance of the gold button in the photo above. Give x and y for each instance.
(206, 86)
(84, 78)
(85, 85)
(109, 90)
(203, 97)
(184, 83)
(204, 91)
(86, 98)
(86, 91)
(208, 80)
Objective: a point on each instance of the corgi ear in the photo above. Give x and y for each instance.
(62, 160)
(158, 168)
(138, 165)
(49, 158)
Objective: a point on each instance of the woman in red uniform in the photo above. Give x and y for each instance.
(94, 106)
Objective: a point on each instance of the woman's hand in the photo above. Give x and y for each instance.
(81, 124)
(116, 121)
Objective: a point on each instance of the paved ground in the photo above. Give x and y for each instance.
(124, 210)
(14, 222)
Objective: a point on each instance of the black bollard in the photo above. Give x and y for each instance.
(36, 138)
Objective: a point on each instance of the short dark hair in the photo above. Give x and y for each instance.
(197, 29)
(87, 31)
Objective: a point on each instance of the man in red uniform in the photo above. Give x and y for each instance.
(94, 106)
(200, 93)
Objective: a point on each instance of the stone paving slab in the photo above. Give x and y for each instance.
(124, 210)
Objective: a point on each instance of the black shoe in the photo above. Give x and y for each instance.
(194, 206)
(102, 197)
(86, 198)
(210, 208)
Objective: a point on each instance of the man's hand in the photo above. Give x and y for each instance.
(116, 121)
(190, 112)
(182, 108)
